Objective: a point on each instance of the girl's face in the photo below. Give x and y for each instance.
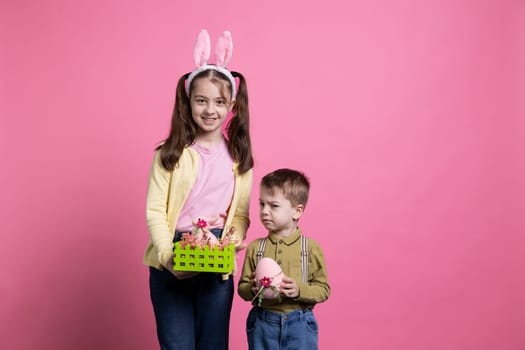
(209, 108)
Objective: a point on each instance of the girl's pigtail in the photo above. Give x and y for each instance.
(183, 129)
(239, 144)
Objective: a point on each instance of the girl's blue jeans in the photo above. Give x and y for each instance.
(193, 313)
(295, 330)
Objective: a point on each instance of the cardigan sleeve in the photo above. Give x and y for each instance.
(241, 216)
(156, 210)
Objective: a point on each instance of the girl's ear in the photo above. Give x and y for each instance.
(232, 104)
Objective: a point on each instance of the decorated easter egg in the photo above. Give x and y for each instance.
(211, 240)
(269, 276)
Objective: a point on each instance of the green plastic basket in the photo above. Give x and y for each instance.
(203, 260)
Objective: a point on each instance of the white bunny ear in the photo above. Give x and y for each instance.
(201, 52)
(224, 49)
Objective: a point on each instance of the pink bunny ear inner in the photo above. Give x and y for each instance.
(201, 52)
(224, 49)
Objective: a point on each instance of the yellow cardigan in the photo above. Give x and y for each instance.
(167, 193)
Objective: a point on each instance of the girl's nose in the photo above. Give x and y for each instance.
(210, 108)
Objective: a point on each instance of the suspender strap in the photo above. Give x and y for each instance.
(304, 258)
(260, 251)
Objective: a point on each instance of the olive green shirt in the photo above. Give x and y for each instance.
(286, 251)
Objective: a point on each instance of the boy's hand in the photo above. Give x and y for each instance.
(289, 288)
(255, 289)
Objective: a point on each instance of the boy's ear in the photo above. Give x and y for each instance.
(299, 210)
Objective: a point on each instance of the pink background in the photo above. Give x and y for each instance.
(408, 116)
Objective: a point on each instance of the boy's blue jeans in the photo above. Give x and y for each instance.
(193, 313)
(296, 330)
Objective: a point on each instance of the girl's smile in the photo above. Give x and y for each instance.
(209, 120)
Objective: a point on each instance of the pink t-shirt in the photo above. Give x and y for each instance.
(212, 192)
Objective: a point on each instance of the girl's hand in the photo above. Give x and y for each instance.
(241, 246)
(182, 275)
(288, 288)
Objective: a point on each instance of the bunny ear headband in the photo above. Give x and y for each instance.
(223, 54)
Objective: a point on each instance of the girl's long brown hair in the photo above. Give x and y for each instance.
(184, 130)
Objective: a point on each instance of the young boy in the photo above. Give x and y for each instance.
(286, 322)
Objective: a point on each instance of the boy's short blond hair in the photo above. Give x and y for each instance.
(294, 185)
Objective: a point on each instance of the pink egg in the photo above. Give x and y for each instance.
(267, 267)
(211, 239)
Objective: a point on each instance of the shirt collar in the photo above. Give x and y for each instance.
(291, 239)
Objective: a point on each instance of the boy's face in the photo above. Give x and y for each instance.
(276, 212)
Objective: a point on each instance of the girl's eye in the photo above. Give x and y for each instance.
(274, 206)
(220, 102)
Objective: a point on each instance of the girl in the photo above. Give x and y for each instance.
(197, 172)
